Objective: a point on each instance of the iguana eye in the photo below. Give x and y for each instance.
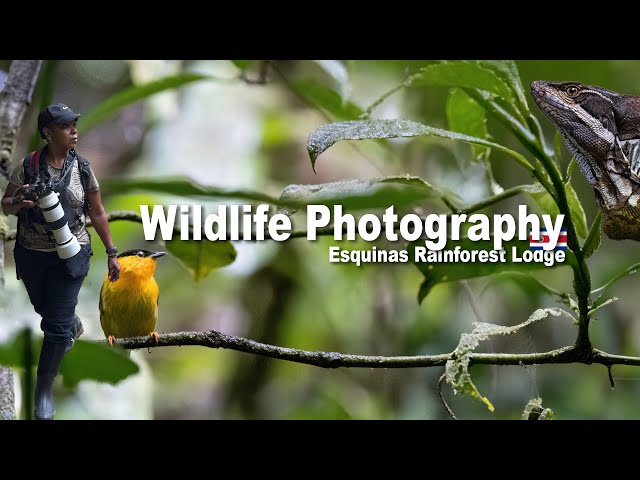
(572, 91)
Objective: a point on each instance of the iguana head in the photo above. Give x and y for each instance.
(601, 129)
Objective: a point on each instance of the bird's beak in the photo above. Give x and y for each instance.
(157, 254)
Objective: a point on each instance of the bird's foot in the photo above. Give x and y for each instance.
(111, 339)
(156, 337)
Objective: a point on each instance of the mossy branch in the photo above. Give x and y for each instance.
(215, 339)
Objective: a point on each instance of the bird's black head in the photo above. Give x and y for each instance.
(141, 253)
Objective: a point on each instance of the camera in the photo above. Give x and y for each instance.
(38, 189)
(46, 198)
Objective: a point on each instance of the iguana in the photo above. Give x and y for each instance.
(601, 129)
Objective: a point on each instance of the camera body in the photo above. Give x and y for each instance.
(46, 198)
(38, 189)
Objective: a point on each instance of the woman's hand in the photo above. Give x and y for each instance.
(13, 200)
(18, 198)
(114, 268)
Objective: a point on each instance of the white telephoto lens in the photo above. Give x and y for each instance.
(67, 244)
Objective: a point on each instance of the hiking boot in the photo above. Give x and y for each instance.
(76, 330)
(50, 357)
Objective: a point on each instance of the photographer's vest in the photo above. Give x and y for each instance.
(35, 167)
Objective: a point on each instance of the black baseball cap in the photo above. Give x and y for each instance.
(57, 113)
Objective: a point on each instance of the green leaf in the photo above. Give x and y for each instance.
(86, 360)
(594, 239)
(359, 193)
(325, 136)
(462, 74)
(464, 115)
(627, 271)
(132, 94)
(180, 186)
(530, 280)
(597, 306)
(545, 201)
(441, 272)
(507, 70)
(13, 353)
(570, 168)
(96, 361)
(199, 257)
(352, 193)
(338, 72)
(457, 369)
(495, 78)
(504, 194)
(548, 205)
(326, 99)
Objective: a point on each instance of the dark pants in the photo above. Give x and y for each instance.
(53, 286)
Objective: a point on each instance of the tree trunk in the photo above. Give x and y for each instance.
(15, 97)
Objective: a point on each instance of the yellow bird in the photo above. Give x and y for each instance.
(129, 306)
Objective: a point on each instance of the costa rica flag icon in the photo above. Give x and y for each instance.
(543, 243)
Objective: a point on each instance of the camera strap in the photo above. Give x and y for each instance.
(39, 169)
(64, 177)
(34, 160)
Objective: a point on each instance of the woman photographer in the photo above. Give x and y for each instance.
(53, 283)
